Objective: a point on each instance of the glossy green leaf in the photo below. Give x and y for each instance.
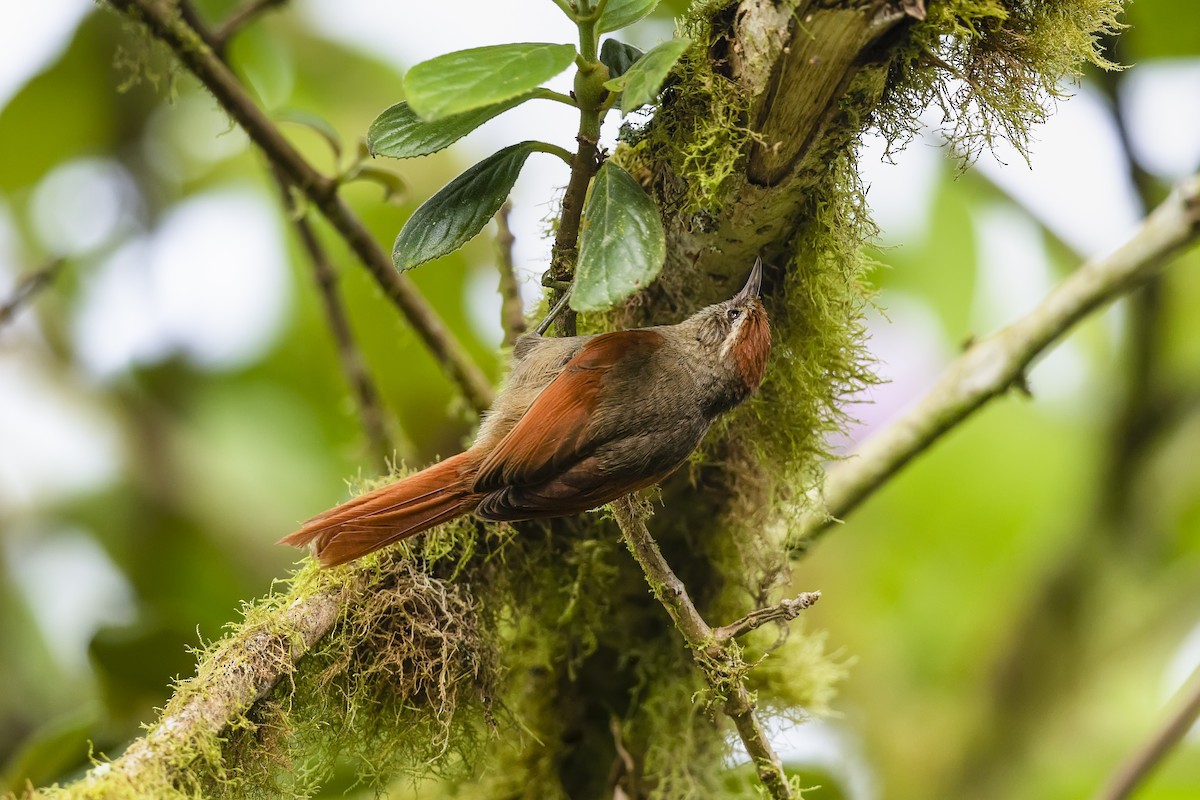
(452, 217)
(400, 133)
(641, 82)
(483, 76)
(619, 13)
(622, 245)
(618, 56)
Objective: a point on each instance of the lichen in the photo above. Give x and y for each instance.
(994, 68)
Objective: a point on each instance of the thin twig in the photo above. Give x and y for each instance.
(990, 366)
(354, 366)
(1142, 763)
(722, 666)
(239, 19)
(512, 310)
(28, 288)
(787, 610)
(191, 50)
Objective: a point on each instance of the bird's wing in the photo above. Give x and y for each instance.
(555, 432)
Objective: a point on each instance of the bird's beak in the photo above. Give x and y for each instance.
(753, 287)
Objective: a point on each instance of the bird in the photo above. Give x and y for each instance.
(582, 421)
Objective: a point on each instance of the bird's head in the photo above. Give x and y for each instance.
(737, 333)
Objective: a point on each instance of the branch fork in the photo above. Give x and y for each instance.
(715, 651)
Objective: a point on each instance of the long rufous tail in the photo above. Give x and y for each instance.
(396, 511)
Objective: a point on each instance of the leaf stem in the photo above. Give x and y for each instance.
(558, 97)
(554, 150)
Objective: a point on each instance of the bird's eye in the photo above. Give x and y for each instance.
(733, 313)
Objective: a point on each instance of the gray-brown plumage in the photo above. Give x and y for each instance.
(582, 421)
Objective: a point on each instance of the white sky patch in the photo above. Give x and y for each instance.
(1075, 182)
(71, 586)
(1160, 101)
(211, 282)
(55, 443)
(910, 346)
(900, 192)
(32, 37)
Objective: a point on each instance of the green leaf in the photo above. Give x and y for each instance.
(449, 219)
(619, 13)
(618, 56)
(641, 83)
(470, 79)
(399, 133)
(622, 245)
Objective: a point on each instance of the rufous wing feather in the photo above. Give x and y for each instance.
(394, 512)
(544, 465)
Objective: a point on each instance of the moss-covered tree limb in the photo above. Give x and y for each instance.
(243, 670)
(991, 366)
(167, 25)
(722, 664)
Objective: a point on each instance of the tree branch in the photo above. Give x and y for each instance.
(512, 310)
(245, 669)
(723, 667)
(1142, 763)
(786, 611)
(354, 366)
(192, 50)
(28, 288)
(991, 366)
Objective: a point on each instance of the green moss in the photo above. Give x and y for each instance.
(700, 134)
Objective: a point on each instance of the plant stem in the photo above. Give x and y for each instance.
(721, 664)
(590, 95)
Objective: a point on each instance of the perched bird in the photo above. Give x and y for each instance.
(583, 421)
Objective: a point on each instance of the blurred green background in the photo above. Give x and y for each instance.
(1019, 604)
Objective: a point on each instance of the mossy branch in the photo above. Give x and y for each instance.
(991, 366)
(720, 661)
(163, 21)
(242, 670)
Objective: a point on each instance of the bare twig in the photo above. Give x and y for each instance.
(512, 310)
(28, 288)
(192, 51)
(354, 366)
(722, 666)
(787, 610)
(991, 365)
(1142, 763)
